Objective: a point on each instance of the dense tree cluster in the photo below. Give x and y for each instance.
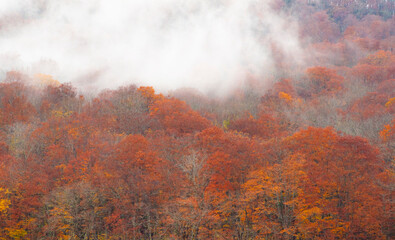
(309, 157)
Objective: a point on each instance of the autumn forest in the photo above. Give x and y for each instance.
(308, 152)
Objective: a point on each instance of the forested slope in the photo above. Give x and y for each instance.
(308, 156)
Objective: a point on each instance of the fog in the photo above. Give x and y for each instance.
(210, 45)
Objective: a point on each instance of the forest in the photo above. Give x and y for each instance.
(310, 154)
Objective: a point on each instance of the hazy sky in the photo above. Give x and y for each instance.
(169, 44)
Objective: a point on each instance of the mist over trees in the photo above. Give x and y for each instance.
(306, 151)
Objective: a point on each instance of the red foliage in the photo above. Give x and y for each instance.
(15, 106)
(323, 81)
(177, 117)
(371, 105)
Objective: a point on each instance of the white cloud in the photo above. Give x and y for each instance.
(204, 44)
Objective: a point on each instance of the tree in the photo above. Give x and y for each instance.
(230, 157)
(14, 104)
(323, 81)
(271, 198)
(177, 117)
(340, 197)
(74, 212)
(133, 181)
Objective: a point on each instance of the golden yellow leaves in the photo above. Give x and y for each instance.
(390, 102)
(43, 80)
(4, 201)
(16, 233)
(61, 114)
(285, 96)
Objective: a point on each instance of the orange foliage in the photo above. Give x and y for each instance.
(338, 169)
(324, 81)
(177, 117)
(15, 106)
